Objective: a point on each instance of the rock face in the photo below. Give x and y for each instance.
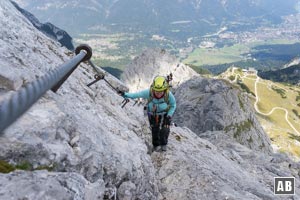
(48, 29)
(44, 185)
(153, 62)
(77, 130)
(194, 168)
(23, 47)
(94, 149)
(217, 111)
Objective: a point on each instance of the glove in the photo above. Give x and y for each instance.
(168, 120)
(121, 93)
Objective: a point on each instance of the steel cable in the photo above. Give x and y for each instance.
(22, 100)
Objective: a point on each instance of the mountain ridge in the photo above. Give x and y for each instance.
(48, 29)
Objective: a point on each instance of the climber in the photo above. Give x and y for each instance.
(160, 107)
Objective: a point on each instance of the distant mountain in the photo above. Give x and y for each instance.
(189, 17)
(295, 61)
(49, 29)
(152, 62)
(289, 75)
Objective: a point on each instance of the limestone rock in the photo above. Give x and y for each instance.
(194, 168)
(140, 73)
(78, 130)
(43, 185)
(217, 111)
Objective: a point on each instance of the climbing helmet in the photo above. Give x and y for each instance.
(160, 84)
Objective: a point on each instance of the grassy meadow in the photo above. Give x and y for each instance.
(216, 56)
(271, 95)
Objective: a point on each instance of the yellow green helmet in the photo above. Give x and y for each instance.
(160, 84)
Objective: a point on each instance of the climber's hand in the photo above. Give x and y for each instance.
(121, 93)
(168, 120)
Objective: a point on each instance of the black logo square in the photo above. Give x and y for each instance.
(284, 185)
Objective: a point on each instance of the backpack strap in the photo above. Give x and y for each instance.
(166, 98)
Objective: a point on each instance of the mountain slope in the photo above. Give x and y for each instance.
(74, 133)
(222, 116)
(214, 105)
(49, 29)
(276, 107)
(288, 75)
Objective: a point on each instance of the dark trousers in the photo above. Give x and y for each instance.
(160, 131)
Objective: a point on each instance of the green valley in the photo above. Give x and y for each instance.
(264, 55)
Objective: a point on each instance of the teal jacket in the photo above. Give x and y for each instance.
(160, 104)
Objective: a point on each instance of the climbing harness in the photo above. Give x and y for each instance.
(13, 107)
